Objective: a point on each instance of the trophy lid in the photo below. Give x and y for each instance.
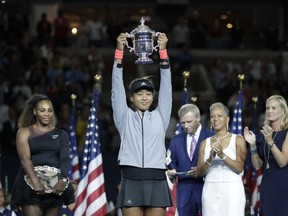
(142, 27)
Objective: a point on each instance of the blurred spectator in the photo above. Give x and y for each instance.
(272, 42)
(4, 88)
(8, 145)
(96, 29)
(27, 53)
(181, 34)
(17, 24)
(41, 86)
(36, 72)
(15, 67)
(198, 30)
(63, 116)
(75, 77)
(218, 74)
(83, 31)
(113, 30)
(183, 61)
(4, 113)
(95, 65)
(61, 30)
(44, 29)
(54, 70)
(20, 93)
(236, 36)
(46, 51)
(158, 25)
(3, 205)
(9, 130)
(255, 68)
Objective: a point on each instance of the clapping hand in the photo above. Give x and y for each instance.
(249, 136)
(267, 133)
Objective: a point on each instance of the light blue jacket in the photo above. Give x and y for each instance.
(142, 137)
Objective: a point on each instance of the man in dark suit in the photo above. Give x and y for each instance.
(184, 149)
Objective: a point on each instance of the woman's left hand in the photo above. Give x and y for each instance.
(267, 133)
(59, 187)
(218, 149)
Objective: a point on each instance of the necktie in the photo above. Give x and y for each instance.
(192, 147)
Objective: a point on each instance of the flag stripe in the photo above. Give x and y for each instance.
(236, 125)
(74, 172)
(94, 175)
(91, 195)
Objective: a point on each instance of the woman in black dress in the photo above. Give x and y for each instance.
(269, 150)
(41, 146)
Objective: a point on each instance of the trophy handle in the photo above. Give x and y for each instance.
(157, 46)
(129, 47)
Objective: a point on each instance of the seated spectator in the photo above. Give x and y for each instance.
(4, 209)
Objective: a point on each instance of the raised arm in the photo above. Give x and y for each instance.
(165, 91)
(118, 94)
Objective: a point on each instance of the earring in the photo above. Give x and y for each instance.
(227, 126)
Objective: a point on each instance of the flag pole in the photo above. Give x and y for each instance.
(241, 78)
(186, 75)
(97, 79)
(73, 98)
(74, 173)
(255, 101)
(236, 124)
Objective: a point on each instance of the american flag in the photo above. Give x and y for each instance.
(253, 181)
(74, 173)
(236, 125)
(91, 196)
(257, 178)
(172, 211)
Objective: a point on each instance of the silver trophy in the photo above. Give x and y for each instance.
(143, 42)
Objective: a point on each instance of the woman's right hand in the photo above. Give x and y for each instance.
(121, 41)
(38, 187)
(212, 155)
(249, 136)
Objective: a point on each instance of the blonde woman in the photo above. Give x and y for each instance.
(269, 150)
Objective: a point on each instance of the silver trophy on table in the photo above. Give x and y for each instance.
(143, 42)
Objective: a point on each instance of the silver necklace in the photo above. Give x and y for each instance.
(266, 157)
(219, 138)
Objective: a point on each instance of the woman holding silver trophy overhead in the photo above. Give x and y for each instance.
(42, 185)
(143, 188)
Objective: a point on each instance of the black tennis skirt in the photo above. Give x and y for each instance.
(145, 192)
